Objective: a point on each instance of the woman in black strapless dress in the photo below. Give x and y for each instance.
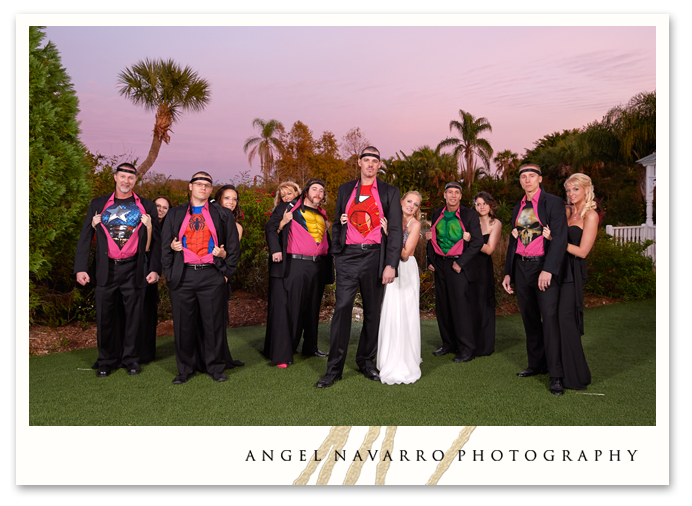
(581, 234)
(482, 290)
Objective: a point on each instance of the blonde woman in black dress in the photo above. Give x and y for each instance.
(581, 235)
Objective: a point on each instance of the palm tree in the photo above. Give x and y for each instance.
(165, 87)
(265, 144)
(504, 160)
(469, 146)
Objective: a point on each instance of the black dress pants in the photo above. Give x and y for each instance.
(119, 341)
(454, 317)
(200, 299)
(295, 311)
(356, 269)
(539, 312)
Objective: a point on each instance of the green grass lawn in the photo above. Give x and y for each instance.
(620, 347)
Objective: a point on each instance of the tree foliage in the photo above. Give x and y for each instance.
(167, 88)
(58, 188)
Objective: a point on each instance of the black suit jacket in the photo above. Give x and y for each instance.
(551, 212)
(390, 245)
(173, 261)
(278, 243)
(99, 270)
(469, 257)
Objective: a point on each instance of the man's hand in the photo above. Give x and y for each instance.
(343, 219)
(277, 257)
(544, 280)
(431, 268)
(145, 219)
(388, 275)
(455, 267)
(546, 233)
(505, 285)
(428, 235)
(176, 245)
(82, 278)
(383, 224)
(219, 251)
(152, 278)
(515, 233)
(95, 220)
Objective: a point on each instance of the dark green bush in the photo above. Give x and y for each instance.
(620, 270)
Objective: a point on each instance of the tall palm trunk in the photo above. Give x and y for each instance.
(162, 126)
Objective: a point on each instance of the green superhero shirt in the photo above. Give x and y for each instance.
(448, 231)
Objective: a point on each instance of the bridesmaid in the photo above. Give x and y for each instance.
(482, 290)
(227, 196)
(581, 235)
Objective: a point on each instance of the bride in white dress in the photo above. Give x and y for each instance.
(398, 345)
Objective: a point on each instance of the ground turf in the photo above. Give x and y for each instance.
(620, 346)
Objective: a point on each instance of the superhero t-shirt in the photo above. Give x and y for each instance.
(308, 232)
(448, 231)
(121, 219)
(364, 215)
(197, 237)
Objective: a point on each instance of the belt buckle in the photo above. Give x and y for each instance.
(314, 259)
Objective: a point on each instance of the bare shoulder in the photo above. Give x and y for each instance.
(591, 217)
(414, 226)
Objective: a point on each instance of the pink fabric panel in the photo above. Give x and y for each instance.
(535, 247)
(375, 235)
(190, 257)
(130, 248)
(301, 242)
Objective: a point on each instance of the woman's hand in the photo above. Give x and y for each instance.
(176, 245)
(546, 233)
(343, 219)
(146, 220)
(466, 236)
(96, 220)
(288, 216)
(219, 251)
(515, 233)
(383, 224)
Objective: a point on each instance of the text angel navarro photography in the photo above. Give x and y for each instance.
(549, 455)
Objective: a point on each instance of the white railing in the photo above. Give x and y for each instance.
(638, 233)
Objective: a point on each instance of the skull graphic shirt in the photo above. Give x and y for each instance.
(121, 219)
(528, 226)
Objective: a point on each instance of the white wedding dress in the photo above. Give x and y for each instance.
(398, 344)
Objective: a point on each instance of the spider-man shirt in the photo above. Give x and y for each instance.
(121, 219)
(198, 238)
(364, 215)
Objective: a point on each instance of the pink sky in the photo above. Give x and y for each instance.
(400, 85)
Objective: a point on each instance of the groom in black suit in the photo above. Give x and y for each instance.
(533, 263)
(366, 258)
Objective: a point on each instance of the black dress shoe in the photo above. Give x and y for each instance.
(556, 387)
(441, 351)
(182, 378)
(103, 372)
(319, 353)
(328, 380)
(133, 369)
(371, 374)
(531, 372)
(463, 358)
(218, 377)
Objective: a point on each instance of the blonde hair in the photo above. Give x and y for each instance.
(285, 184)
(579, 179)
(416, 213)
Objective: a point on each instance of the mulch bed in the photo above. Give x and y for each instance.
(245, 310)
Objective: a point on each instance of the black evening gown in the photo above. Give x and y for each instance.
(482, 299)
(571, 316)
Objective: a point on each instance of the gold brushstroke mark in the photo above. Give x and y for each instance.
(354, 470)
(387, 446)
(337, 437)
(459, 442)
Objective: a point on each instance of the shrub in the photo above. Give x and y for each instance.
(620, 270)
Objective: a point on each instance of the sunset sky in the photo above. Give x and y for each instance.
(400, 85)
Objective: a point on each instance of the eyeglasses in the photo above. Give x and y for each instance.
(202, 185)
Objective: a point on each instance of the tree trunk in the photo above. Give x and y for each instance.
(151, 157)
